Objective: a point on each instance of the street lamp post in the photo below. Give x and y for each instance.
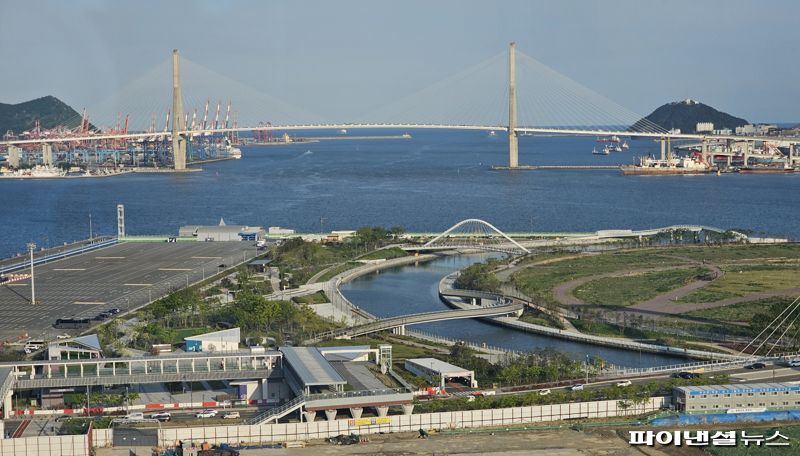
(31, 247)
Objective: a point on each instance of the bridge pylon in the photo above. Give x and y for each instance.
(178, 121)
(513, 145)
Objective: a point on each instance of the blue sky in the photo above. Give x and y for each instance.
(339, 59)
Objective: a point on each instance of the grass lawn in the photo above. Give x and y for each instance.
(538, 281)
(738, 253)
(741, 280)
(384, 254)
(333, 271)
(538, 318)
(316, 298)
(629, 290)
(741, 312)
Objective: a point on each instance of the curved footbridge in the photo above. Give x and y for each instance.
(447, 293)
(398, 324)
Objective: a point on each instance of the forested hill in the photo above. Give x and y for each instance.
(685, 115)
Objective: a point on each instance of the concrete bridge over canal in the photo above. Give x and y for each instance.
(398, 324)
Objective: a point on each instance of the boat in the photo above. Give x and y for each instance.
(617, 148)
(681, 165)
(37, 172)
(615, 139)
(625, 145)
(600, 152)
(756, 169)
(343, 131)
(492, 133)
(406, 135)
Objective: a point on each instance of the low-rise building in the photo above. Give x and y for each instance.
(438, 371)
(226, 340)
(745, 397)
(222, 232)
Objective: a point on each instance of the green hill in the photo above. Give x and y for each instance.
(49, 110)
(685, 115)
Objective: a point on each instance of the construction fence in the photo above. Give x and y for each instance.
(289, 432)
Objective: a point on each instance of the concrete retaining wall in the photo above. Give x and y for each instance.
(404, 423)
(62, 445)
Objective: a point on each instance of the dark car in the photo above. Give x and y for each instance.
(686, 375)
(114, 311)
(755, 366)
(100, 317)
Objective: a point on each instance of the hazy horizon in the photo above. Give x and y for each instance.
(341, 60)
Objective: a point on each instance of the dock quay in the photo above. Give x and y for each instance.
(551, 167)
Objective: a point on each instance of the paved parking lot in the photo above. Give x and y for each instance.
(126, 276)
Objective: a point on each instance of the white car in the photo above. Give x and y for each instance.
(230, 415)
(577, 387)
(624, 383)
(135, 416)
(544, 392)
(208, 413)
(161, 416)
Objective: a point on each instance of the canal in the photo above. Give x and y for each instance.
(414, 288)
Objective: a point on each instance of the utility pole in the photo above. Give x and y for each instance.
(31, 247)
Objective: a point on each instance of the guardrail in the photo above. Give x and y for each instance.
(58, 256)
(424, 317)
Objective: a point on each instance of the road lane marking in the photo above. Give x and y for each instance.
(205, 258)
(109, 258)
(137, 284)
(174, 269)
(69, 269)
(88, 302)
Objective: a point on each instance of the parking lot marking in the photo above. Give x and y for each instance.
(69, 269)
(109, 258)
(137, 284)
(205, 258)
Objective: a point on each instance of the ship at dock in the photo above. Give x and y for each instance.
(649, 166)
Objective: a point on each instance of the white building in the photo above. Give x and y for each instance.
(226, 340)
(746, 130)
(704, 127)
(435, 370)
(279, 231)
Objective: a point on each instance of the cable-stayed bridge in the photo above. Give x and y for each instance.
(552, 104)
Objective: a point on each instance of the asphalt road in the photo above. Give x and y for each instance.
(126, 276)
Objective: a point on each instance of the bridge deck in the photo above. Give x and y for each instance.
(153, 369)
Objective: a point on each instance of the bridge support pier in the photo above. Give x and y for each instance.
(356, 412)
(178, 121)
(746, 152)
(7, 405)
(399, 330)
(513, 145)
(408, 409)
(310, 416)
(13, 156)
(330, 414)
(47, 154)
(663, 149)
(383, 410)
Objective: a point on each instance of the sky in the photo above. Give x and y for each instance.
(339, 60)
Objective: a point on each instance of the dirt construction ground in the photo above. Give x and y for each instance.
(536, 443)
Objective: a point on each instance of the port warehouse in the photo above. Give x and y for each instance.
(721, 398)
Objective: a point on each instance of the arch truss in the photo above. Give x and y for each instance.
(477, 234)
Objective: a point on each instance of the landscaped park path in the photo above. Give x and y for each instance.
(666, 303)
